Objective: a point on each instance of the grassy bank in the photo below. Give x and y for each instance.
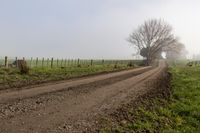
(13, 78)
(177, 113)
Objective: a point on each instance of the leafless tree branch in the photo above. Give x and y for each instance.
(152, 37)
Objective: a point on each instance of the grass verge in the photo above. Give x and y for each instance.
(12, 78)
(176, 112)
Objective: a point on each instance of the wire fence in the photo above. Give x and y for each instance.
(57, 63)
(193, 63)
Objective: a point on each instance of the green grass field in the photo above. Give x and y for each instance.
(45, 70)
(180, 113)
(12, 77)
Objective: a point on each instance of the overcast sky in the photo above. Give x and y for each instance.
(89, 28)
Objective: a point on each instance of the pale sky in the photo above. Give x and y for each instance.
(89, 28)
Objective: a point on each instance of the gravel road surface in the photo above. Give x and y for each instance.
(71, 105)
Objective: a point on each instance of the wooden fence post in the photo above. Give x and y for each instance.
(68, 62)
(91, 63)
(65, 62)
(72, 62)
(51, 62)
(47, 62)
(78, 63)
(42, 62)
(6, 61)
(62, 63)
(103, 62)
(16, 62)
(57, 62)
(31, 62)
(37, 62)
(116, 63)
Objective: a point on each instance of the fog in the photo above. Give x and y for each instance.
(89, 28)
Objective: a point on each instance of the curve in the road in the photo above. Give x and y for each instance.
(76, 111)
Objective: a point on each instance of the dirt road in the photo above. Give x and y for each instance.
(73, 105)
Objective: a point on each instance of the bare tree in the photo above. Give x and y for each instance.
(151, 37)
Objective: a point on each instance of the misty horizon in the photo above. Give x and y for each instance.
(89, 29)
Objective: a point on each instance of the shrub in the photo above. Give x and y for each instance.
(115, 66)
(22, 65)
(130, 64)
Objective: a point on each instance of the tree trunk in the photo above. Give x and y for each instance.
(148, 61)
(148, 56)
